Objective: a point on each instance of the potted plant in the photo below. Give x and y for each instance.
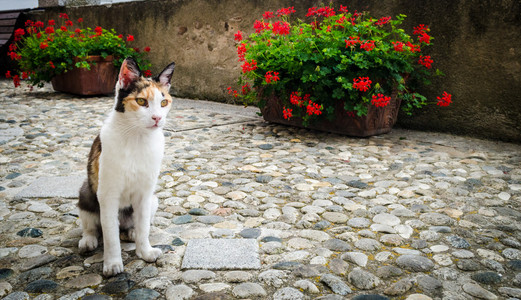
(76, 59)
(338, 71)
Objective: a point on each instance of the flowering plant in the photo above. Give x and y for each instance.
(45, 50)
(334, 56)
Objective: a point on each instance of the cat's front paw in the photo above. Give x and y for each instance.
(111, 268)
(149, 255)
(88, 243)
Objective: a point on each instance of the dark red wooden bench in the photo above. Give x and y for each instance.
(7, 25)
(9, 22)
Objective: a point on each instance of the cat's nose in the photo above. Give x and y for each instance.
(156, 118)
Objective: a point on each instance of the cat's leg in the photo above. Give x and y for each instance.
(90, 223)
(143, 210)
(89, 216)
(112, 262)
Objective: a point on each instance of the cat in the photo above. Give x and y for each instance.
(123, 167)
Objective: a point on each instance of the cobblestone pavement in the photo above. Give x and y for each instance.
(407, 215)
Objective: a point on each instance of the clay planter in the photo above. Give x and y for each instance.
(99, 80)
(378, 120)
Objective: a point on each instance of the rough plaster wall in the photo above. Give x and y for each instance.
(477, 44)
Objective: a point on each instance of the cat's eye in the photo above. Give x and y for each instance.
(164, 103)
(141, 102)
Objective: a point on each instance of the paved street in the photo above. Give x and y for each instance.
(252, 210)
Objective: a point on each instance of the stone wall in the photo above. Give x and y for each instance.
(477, 44)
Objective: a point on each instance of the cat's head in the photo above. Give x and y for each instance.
(144, 100)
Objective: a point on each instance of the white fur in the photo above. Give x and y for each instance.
(129, 165)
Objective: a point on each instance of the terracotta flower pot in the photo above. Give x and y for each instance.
(99, 80)
(378, 120)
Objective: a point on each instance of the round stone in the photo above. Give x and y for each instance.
(363, 279)
(182, 219)
(83, 281)
(179, 292)
(386, 219)
(337, 245)
(29, 251)
(30, 232)
(415, 263)
(248, 290)
(41, 286)
(288, 293)
(487, 277)
(142, 294)
(359, 222)
(335, 217)
(335, 284)
(458, 242)
(368, 245)
(250, 233)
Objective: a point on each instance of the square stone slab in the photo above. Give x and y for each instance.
(222, 254)
(58, 186)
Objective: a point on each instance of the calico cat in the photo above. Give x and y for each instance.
(123, 167)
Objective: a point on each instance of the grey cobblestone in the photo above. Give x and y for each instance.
(409, 215)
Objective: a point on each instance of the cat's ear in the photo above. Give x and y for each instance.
(166, 75)
(128, 73)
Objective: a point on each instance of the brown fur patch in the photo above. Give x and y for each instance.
(144, 89)
(93, 164)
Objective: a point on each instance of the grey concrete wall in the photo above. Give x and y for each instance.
(477, 44)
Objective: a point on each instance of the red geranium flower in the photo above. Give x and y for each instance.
(425, 38)
(43, 45)
(63, 28)
(25, 75)
(130, 38)
(383, 21)
(16, 80)
(445, 100)
(8, 74)
(80, 20)
(39, 24)
(64, 16)
(363, 84)
(281, 28)
(285, 11)
(238, 36)
(52, 23)
(147, 49)
(352, 41)
(247, 67)
(286, 112)
(425, 61)
(267, 15)
(245, 89)
(68, 23)
(271, 76)
(49, 30)
(398, 46)
(420, 29)
(367, 45)
(380, 100)
(51, 64)
(241, 51)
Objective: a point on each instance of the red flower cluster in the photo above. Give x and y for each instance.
(343, 9)
(234, 92)
(130, 38)
(383, 21)
(285, 11)
(380, 100)
(313, 109)
(367, 45)
(43, 45)
(245, 89)
(445, 100)
(268, 15)
(260, 26)
(363, 84)
(281, 28)
(413, 48)
(287, 113)
(398, 46)
(425, 61)
(322, 12)
(271, 76)
(421, 30)
(238, 36)
(352, 41)
(247, 67)
(241, 51)
(64, 16)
